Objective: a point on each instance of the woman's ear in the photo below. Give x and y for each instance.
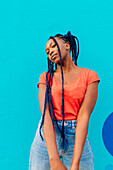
(67, 46)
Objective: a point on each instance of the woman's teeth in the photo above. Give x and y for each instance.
(53, 56)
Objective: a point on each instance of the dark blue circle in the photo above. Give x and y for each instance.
(107, 133)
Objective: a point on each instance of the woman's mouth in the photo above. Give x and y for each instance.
(53, 57)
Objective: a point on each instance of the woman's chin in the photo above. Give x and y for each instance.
(56, 61)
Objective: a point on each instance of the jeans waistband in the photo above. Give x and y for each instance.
(69, 123)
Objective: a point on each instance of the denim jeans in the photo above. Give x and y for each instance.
(39, 159)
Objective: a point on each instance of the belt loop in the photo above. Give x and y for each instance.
(72, 124)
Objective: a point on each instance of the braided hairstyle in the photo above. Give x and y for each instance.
(75, 51)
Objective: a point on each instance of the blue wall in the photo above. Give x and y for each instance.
(25, 26)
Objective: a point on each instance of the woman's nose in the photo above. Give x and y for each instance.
(51, 52)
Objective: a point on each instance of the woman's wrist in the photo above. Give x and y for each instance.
(74, 165)
(75, 162)
(54, 160)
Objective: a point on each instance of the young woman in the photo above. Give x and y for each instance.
(67, 96)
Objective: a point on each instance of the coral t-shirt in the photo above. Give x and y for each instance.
(73, 93)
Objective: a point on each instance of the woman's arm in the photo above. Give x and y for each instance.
(49, 134)
(82, 123)
(48, 130)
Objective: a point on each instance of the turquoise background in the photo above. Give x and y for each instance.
(25, 26)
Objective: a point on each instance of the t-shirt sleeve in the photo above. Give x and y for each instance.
(92, 77)
(42, 79)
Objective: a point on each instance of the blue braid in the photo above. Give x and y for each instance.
(62, 106)
(48, 97)
(75, 51)
(50, 101)
(49, 94)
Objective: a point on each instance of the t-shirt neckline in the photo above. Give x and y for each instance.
(70, 82)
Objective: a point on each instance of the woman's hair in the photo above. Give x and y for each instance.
(74, 47)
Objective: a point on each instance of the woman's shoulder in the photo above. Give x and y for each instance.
(88, 71)
(43, 75)
(90, 75)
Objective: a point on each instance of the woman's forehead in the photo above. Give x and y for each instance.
(50, 41)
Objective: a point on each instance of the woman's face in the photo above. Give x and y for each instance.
(52, 50)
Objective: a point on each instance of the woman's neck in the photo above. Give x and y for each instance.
(67, 65)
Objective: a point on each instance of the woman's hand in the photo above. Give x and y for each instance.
(58, 165)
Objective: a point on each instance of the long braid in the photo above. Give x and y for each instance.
(62, 106)
(48, 97)
(73, 45)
